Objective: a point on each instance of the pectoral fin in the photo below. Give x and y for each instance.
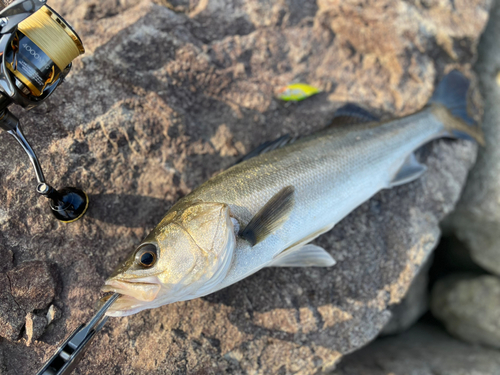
(409, 171)
(306, 256)
(270, 217)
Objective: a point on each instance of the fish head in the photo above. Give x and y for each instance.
(184, 257)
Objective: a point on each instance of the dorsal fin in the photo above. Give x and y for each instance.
(352, 114)
(347, 114)
(270, 217)
(269, 146)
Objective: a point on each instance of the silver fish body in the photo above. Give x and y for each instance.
(332, 172)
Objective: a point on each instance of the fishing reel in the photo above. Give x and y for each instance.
(37, 47)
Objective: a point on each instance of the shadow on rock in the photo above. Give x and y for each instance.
(131, 211)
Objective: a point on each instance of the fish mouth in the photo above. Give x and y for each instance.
(139, 290)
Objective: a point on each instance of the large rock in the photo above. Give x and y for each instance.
(468, 306)
(477, 218)
(414, 304)
(423, 350)
(168, 95)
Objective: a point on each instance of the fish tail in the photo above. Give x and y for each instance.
(452, 94)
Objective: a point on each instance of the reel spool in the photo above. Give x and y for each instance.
(42, 47)
(37, 48)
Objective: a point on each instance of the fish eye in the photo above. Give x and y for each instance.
(146, 255)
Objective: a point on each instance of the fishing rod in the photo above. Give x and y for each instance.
(37, 47)
(71, 351)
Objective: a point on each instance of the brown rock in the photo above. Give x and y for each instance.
(163, 100)
(28, 287)
(11, 315)
(6, 255)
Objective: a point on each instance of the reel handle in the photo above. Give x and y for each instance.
(10, 123)
(68, 204)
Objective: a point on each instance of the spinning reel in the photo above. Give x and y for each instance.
(37, 47)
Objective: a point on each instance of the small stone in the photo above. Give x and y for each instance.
(469, 308)
(53, 313)
(35, 326)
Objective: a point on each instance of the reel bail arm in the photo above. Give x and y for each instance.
(68, 204)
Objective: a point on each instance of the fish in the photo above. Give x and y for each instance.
(266, 210)
(296, 92)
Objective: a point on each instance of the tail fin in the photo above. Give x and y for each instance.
(452, 93)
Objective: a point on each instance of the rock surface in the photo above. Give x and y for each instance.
(423, 350)
(469, 308)
(167, 95)
(414, 304)
(477, 218)
(27, 287)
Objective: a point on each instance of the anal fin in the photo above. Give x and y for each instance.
(307, 256)
(409, 171)
(304, 254)
(270, 217)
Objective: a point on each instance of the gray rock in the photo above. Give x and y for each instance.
(477, 218)
(35, 326)
(423, 350)
(164, 99)
(27, 287)
(469, 308)
(11, 315)
(414, 304)
(7, 257)
(3, 368)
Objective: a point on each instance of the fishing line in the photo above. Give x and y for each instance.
(44, 45)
